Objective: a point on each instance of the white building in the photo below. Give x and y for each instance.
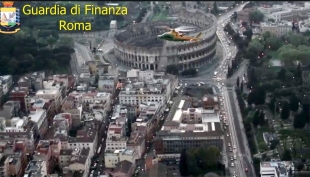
(304, 25)
(113, 157)
(50, 94)
(276, 169)
(116, 138)
(286, 11)
(278, 29)
(96, 97)
(39, 118)
(5, 83)
(15, 130)
(74, 158)
(143, 87)
(80, 161)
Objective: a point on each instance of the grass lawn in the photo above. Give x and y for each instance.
(161, 16)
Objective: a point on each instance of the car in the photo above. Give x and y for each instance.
(227, 134)
(232, 164)
(246, 169)
(228, 144)
(234, 146)
(235, 157)
(230, 150)
(223, 84)
(231, 158)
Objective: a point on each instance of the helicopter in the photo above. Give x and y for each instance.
(176, 34)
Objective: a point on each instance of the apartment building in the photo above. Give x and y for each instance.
(304, 25)
(96, 97)
(189, 128)
(10, 109)
(116, 139)
(48, 151)
(113, 157)
(107, 83)
(80, 161)
(210, 102)
(286, 11)
(72, 106)
(150, 114)
(243, 15)
(13, 158)
(143, 87)
(277, 169)
(278, 29)
(87, 137)
(136, 142)
(19, 94)
(44, 104)
(72, 159)
(63, 119)
(36, 168)
(40, 120)
(51, 94)
(6, 83)
(123, 169)
(20, 130)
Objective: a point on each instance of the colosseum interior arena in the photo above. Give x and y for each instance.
(138, 47)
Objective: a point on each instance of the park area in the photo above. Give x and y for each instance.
(275, 99)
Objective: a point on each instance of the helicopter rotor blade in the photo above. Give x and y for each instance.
(185, 29)
(164, 27)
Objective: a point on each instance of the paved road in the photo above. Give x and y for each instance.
(84, 51)
(234, 134)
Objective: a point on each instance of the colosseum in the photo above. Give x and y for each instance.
(138, 47)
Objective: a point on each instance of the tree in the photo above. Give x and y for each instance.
(255, 48)
(183, 166)
(273, 42)
(51, 42)
(24, 54)
(241, 86)
(294, 103)
(255, 120)
(298, 74)
(172, 69)
(285, 111)
(202, 160)
(251, 98)
(299, 121)
(286, 155)
(282, 75)
(248, 33)
(305, 110)
(256, 16)
(238, 82)
(261, 118)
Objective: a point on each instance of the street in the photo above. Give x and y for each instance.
(236, 154)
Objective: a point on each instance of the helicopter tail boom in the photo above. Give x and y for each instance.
(198, 36)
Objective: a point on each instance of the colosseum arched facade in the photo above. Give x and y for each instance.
(139, 48)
